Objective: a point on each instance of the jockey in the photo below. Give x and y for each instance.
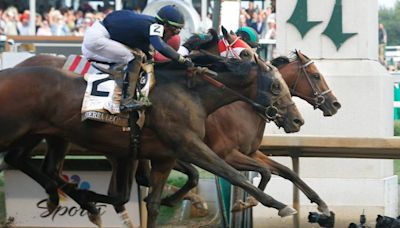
(174, 42)
(248, 35)
(117, 38)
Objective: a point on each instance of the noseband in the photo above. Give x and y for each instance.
(319, 97)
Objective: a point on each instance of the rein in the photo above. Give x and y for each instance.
(268, 113)
(319, 97)
(229, 48)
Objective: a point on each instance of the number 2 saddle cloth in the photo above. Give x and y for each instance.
(103, 96)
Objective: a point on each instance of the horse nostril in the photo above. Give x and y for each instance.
(336, 104)
(298, 122)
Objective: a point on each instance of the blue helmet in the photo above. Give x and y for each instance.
(170, 15)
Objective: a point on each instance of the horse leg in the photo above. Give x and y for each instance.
(160, 171)
(243, 162)
(19, 156)
(143, 173)
(120, 186)
(193, 180)
(193, 150)
(118, 192)
(53, 161)
(285, 172)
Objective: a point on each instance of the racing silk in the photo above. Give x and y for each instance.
(138, 31)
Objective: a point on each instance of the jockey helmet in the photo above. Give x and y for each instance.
(249, 35)
(170, 15)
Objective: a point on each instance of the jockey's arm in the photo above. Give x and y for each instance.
(164, 48)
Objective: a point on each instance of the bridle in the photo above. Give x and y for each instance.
(268, 112)
(232, 50)
(319, 97)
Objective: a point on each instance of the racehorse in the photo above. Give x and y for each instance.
(236, 147)
(304, 80)
(302, 76)
(175, 138)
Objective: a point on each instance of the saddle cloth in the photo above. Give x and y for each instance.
(103, 96)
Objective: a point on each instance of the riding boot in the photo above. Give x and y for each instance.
(128, 102)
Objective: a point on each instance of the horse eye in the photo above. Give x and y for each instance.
(276, 88)
(316, 76)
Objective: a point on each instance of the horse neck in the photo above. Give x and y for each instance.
(213, 98)
(213, 50)
(290, 73)
(204, 93)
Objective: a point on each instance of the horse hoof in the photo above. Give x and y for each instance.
(51, 207)
(286, 211)
(95, 219)
(127, 224)
(200, 205)
(324, 210)
(238, 206)
(251, 201)
(199, 209)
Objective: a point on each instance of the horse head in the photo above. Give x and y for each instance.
(307, 82)
(232, 46)
(287, 115)
(271, 96)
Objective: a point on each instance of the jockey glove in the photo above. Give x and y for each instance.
(186, 61)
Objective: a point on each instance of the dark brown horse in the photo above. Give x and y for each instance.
(304, 80)
(235, 147)
(63, 120)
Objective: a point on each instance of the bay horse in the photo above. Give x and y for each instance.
(304, 80)
(175, 138)
(302, 76)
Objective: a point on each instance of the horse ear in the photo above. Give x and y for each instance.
(301, 56)
(231, 32)
(224, 31)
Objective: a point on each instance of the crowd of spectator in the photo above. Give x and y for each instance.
(66, 21)
(54, 22)
(261, 20)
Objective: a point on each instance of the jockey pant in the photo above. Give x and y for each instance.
(97, 45)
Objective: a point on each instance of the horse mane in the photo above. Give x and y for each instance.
(279, 61)
(237, 66)
(213, 41)
(283, 60)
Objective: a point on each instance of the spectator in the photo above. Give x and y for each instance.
(251, 9)
(2, 22)
(266, 14)
(78, 18)
(57, 23)
(38, 21)
(242, 21)
(10, 20)
(23, 24)
(259, 24)
(271, 33)
(244, 16)
(44, 29)
(382, 43)
(70, 19)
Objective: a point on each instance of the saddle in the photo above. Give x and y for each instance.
(103, 94)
